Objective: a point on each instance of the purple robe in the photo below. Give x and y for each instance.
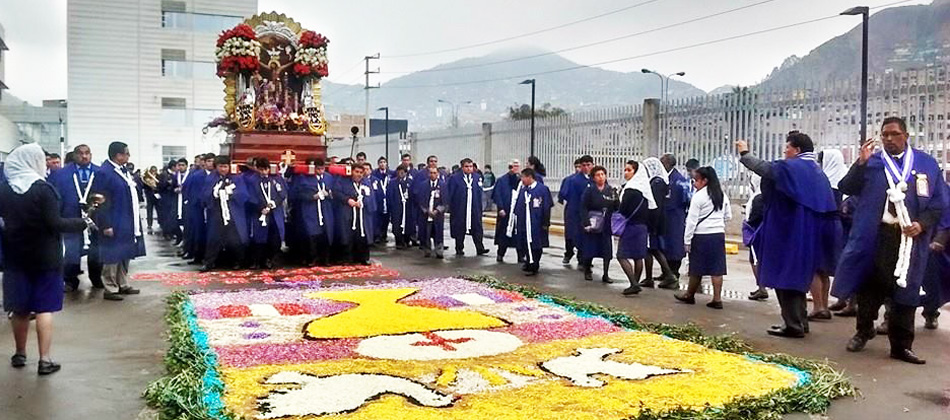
(116, 214)
(857, 259)
(457, 191)
(796, 238)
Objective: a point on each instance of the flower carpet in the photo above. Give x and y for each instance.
(456, 348)
(284, 275)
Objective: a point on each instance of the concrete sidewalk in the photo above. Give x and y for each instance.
(110, 351)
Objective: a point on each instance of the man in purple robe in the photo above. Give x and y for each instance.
(503, 195)
(571, 193)
(119, 222)
(796, 238)
(937, 276)
(267, 194)
(73, 184)
(224, 196)
(532, 213)
(429, 196)
(888, 248)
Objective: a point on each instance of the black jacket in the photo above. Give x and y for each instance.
(32, 233)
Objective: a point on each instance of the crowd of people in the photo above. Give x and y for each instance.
(809, 219)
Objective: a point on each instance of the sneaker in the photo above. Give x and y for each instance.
(759, 295)
(128, 290)
(18, 360)
(48, 367)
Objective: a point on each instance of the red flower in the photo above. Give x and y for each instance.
(240, 31)
(311, 39)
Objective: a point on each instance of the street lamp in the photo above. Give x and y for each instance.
(531, 82)
(455, 110)
(666, 93)
(648, 71)
(386, 127)
(863, 11)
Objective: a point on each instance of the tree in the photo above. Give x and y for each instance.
(523, 112)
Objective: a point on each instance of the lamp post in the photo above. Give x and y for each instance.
(666, 95)
(531, 82)
(455, 110)
(386, 127)
(863, 11)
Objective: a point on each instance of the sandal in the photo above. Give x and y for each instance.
(48, 367)
(18, 360)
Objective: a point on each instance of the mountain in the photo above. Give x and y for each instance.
(899, 38)
(415, 96)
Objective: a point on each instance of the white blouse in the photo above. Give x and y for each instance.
(700, 206)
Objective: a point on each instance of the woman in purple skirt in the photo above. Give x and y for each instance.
(636, 198)
(705, 236)
(33, 257)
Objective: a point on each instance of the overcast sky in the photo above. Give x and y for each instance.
(36, 35)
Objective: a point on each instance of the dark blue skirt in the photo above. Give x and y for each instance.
(26, 291)
(707, 255)
(633, 242)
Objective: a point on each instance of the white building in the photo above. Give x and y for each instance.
(8, 130)
(143, 72)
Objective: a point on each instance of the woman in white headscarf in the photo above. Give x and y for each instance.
(656, 226)
(832, 164)
(754, 212)
(636, 199)
(33, 251)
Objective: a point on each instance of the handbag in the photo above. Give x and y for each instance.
(618, 223)
(748, 233)
(596, 218)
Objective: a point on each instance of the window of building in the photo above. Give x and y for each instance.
(214, 23)
(174, 63)
(174, 112)
(173, 152)
(204, 70)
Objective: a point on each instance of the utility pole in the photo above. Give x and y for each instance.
(367, 88)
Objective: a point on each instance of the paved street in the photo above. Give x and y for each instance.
(110, 351)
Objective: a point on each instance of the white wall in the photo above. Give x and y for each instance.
(8, 136)
(115, 81)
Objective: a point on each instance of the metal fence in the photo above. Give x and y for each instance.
(705, 128)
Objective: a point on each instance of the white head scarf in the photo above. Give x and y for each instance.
(756, 183)
(654, 169)
(25, 165)
(832, 164)
(641, 182)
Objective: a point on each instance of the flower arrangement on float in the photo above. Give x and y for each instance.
(237, 50)
(311, 58)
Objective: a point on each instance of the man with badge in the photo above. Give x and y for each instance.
(429, 196)
(464, 190)
(72, 183)
(532, 213)
(887, 251)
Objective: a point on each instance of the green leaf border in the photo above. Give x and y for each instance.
(191, 388)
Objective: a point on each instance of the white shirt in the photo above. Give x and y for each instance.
(699, 207)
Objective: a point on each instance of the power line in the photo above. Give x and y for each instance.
(353, 67)
(669, 50)
(540, 31)
(578, 47)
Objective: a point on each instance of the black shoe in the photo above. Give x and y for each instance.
(500, 259)
(930, 322)
(48, 367)
(847, 313)
(98, 286)
(881, 329)
(588, 276)
(68, 288)
(459, 253)
(691, 300)
(482, 251)
(606, 279)
(907, 355)
(838, 306)
(786, 332)
(128, 290)
(530, 273)
(648, 283)
(195, 262)
(759, 295)
(112, 296)
(18, 360)
(427, 254)
(206, 268)
(857, 343)
(632, 290)
(716, 304)
(439, 256)
(567, 259)
(820, 315)
(671, 284)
